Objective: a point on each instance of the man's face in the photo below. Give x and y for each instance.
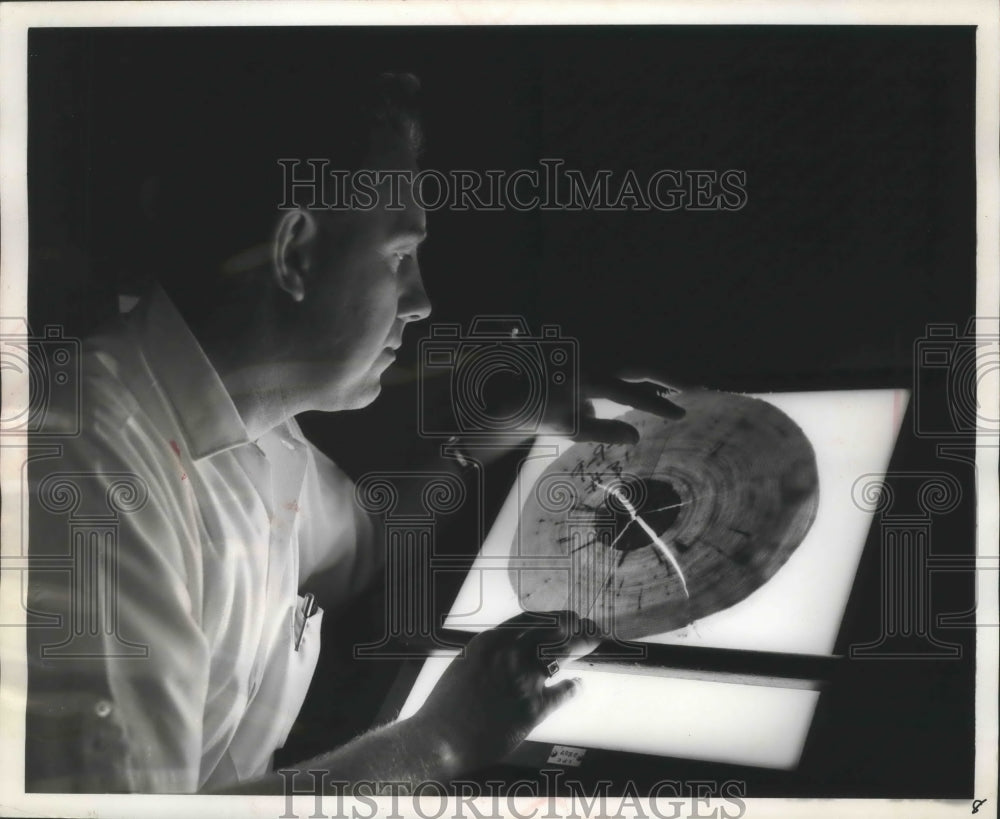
(364, 287)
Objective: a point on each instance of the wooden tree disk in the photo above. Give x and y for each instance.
(596, 536)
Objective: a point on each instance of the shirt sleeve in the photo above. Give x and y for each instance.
(118, 663)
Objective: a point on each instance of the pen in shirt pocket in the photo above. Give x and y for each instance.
(308, 610)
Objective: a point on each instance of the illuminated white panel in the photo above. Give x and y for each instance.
(664, 716)
(799, 610)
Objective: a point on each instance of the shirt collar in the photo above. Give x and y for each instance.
(205, 413)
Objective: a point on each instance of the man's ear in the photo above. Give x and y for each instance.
(293, 249)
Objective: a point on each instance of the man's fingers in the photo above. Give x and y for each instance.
(555, 695)
(644, 395)
(537, 620)
(580, 645)
(634, 374)
(538, 638)
(512, 630)
(572, 638)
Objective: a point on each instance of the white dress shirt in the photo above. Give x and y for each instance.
(206, 572)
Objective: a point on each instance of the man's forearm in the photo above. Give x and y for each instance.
(401, 754)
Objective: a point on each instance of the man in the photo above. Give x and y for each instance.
(185, 644)
(197, 653)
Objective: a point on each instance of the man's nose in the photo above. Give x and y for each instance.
(414, 305)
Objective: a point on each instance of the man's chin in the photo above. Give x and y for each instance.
(355, 396)
(365, 394)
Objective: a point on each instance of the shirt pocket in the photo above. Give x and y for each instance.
(275, 705)
(303, 654)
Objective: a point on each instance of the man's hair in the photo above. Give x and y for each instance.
(210, 200)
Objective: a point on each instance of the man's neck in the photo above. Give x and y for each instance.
(241, 345)
(260, 397)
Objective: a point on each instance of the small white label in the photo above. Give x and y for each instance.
(566, 755)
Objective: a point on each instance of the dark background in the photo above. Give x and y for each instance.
(858, 146)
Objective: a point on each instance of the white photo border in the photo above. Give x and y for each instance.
(17, 18)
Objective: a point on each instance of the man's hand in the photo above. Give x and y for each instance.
(480, 710)
(490, 699)
(638, 389)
